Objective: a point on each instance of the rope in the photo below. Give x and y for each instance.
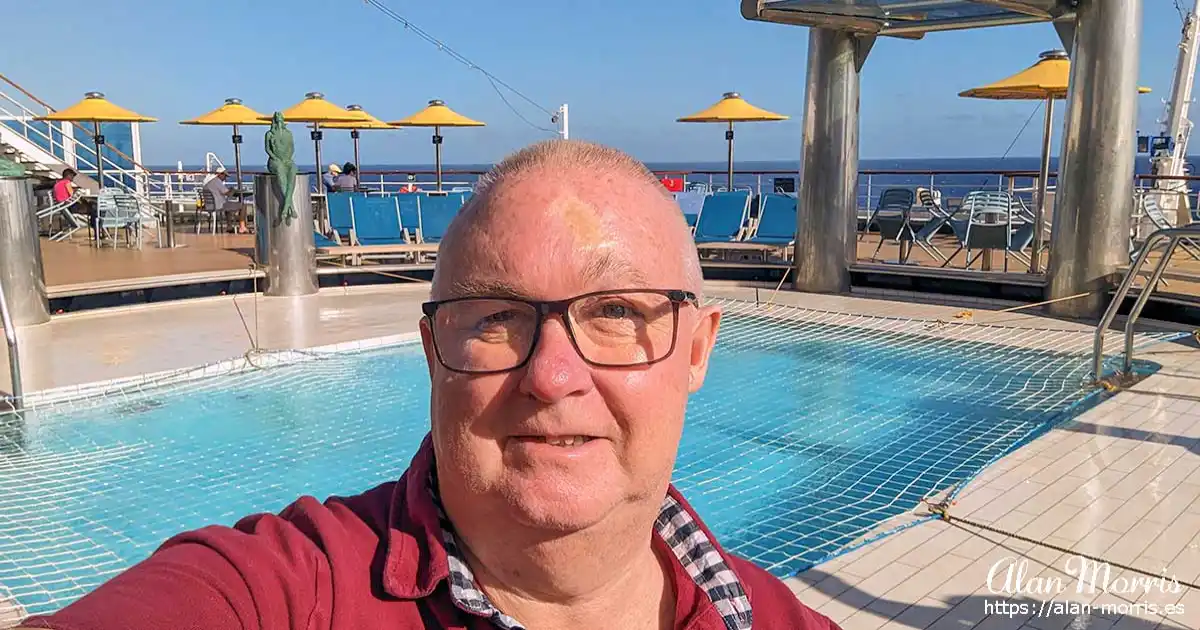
(493, 79)
(942, 510)
(971, 313)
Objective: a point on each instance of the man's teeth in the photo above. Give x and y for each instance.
(570, 440)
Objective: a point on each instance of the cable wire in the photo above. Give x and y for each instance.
(495, 81)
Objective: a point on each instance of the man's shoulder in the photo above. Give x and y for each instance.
(338, 521)
(773, 603)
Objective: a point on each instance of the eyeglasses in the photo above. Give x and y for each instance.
(620, 328)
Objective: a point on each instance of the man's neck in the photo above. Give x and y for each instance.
(591, 579)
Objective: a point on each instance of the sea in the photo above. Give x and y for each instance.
(952, 177)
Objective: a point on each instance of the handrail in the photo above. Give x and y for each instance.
(1172, 236)
(14, 356)
(72, 123)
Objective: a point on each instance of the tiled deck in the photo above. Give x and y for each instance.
(1122, 481)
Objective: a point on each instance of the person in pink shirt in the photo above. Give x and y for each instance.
(565, 331)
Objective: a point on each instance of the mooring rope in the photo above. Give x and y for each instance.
(942, 510)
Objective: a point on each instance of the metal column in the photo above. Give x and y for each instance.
(1094, 200)
(286, 249)
(828, 195)
(21, 254)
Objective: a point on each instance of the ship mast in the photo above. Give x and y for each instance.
(1175, 124)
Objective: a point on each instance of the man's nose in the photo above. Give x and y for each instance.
(555, 370)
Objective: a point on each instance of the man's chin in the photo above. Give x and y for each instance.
(561, 506)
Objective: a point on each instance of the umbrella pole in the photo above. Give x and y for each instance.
(437, 155)
(729, 137)
(237, 164)
(1035, 257)
(357, 164)
(99, 139)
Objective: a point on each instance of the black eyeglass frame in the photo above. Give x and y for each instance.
(545, 308)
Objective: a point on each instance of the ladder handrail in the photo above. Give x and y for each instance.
(14, 355)
(1173, 236)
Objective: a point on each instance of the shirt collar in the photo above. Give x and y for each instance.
(423, 551)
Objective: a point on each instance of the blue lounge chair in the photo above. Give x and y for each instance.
(776, 221)
(722, 216)
(437, 211)
(341, 221)
(410, 216)
(376, 221)
(320, 240)
(690, 201)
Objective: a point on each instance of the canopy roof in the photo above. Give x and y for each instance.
(315, 109)
(1048, 78)
(95, 108)
(732, 108)
(905, 18)
(231, 113)
(437, 114)
(365, 121)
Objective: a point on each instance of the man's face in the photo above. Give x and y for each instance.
(552, 236)
(222, 176)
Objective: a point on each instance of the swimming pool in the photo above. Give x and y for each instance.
(810, 431)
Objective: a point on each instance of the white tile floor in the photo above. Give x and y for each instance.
(1121, 482)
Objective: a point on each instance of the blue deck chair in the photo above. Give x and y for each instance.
(341, 221)
(410, 216)
(376, 221)
(436, 212)
(722, 216)
(320, 240)
(776, 220)
(893, 216)
(690, 202)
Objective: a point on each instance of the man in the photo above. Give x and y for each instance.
(329, 179)
(564, 335)
(221, 201)
(348, 180)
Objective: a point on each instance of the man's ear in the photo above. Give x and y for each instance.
(704, 336)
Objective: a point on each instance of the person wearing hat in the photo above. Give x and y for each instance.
(330, 178)
(222, 202)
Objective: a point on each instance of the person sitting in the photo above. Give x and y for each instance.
(66, 188)
(348, 180)
(328, 179)
(565, 330)
(221, 199)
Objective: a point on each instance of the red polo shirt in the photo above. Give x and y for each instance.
(380, 560)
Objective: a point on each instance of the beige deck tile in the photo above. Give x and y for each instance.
(921, 614)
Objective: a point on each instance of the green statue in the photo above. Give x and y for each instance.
(280, 152)
(8, 168)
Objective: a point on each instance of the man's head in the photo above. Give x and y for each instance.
(554, 221)
(69, 174)
(334, 169)
(221, 174)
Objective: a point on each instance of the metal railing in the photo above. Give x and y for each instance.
(14, 355)
(1173, 236)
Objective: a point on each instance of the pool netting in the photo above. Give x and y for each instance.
(815, 432)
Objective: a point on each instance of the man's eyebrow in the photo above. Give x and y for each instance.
(489, 288)
(608, 268)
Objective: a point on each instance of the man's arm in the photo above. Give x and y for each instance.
(262, 574)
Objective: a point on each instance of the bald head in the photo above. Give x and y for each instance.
(567, 212)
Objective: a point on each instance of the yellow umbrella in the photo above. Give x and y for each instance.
(94, 108)
(316, 110)
(366, 121)
(1048, 79)
(235, 114)
(730, 109)
(437, 115)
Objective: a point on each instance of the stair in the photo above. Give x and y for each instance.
(44, 168)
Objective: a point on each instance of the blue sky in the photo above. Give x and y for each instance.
(627, 68)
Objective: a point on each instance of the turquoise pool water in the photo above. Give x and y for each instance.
(805, 436)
